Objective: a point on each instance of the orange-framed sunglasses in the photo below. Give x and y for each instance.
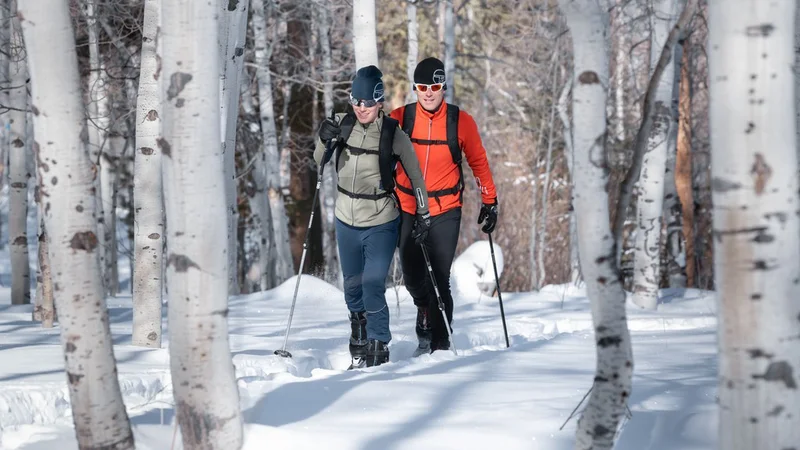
(433, 87)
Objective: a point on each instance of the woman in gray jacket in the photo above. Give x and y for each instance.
(365, 145)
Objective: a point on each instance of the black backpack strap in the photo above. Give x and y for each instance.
(386, 159)
(409, 114)
(455, 149)
(345, 127)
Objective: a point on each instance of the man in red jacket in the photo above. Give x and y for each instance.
(441, 134)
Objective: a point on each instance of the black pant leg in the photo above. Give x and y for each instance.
(415, 273)
(441, 244)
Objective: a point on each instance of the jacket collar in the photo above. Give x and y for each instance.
(432, 115)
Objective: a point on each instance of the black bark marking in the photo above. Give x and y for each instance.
(177, 82)
(588, 77)
(198, 424)
(760, 30)
(182, 263)
(79, 208)
(238, 52)
(180, 102)
(85, 240)
(74, 378)
(18, 185)
(750, 127)
(609, 341)
(70, 347)
(775, 411)
(781, 216)
(756, 297)
(232, 4)
(760, 264)
(152, 336)
(54, 181)
(761, 172)
(34, 109)
(152, 115)
(20, 240)
(163, 144)
(780, 371)
(154, 236)
(754, 420)
(759, 353)
(147, 151)
(602, 280)
(600, 431)
(722, 185)
(222, 312)
(157, 73)
(17, 143)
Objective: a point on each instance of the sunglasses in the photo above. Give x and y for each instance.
(365, 103)
(433, 87)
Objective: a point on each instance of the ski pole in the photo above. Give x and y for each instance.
(283, 352)
(438, 298)
(497, 285)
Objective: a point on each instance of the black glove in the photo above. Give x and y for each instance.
(489, 214)
(422, 225)
(329, 129)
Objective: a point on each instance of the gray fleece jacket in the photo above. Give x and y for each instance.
(361, 174)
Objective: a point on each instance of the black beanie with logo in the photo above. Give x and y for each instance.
(368, 84)
(429, 71)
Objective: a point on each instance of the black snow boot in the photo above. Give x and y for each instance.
(377, 353)
(423, 330)
(358, 339)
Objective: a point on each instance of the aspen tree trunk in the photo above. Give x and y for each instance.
(588, 23)
(449, 50)
(97, 109)
(755, 201)
(18, 169)
(67, 191)
(546, 187)
(574, 260)
(650, 201)
(673, 224)
(328, 190)
(365, 41)
(147, 196)
(6, 14)
(44, 309)
(232, 29)
(280, 252)
(264, 169)
(413, 48)
(206, 396)
(620, 64)
(683, 165)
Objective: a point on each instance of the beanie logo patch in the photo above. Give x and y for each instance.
(438, 76)
(377, 92)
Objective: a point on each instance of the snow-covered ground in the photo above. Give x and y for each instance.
(486, 397)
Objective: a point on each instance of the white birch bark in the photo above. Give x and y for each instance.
(574, 261)
(5, 56)
(18, 169)
(673, 214)
(365, 40)
(620, 64)
(65, 169)
(328, 189)
(755, 198)
(265, 169)
(546, 185)
(650, 201)
(449, 51)
(588, 23)
(273, 180)
(413, 48)
(206, 396)
(233, 26)
(44, 307)
(97, 110)
(147, 195)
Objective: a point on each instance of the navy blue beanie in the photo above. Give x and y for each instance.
(368, 84)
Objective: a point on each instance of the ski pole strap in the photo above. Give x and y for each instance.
(375, 196)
